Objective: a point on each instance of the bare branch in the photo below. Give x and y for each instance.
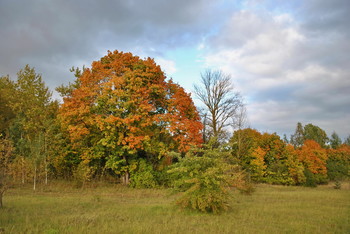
(221, 102)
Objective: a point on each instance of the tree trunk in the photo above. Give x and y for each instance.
(46, 170)
(46, 179)
(22, 159)
(239, 141)
(126, 176)
(2, 191)
(46, 173)
(23, 173)
(22, 177)
(34, 179)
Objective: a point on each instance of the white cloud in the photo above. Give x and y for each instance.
(168, 66)
(283, 71)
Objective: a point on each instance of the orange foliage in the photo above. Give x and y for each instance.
(342, 153)
(124, 101)
(258, 162)
(313, 156)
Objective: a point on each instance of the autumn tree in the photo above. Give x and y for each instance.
(258, 164)
(220, 101)
(267, 157)
(124, 109)
(243, 143)
(314, 159)
(294, 165)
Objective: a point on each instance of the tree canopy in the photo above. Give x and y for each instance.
(124, 108)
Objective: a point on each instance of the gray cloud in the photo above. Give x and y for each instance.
(293, 65)
(290, 59)
(56, 35)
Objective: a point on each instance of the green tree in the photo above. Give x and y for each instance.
(347, 140)
(243, 143)
(7, 98)
(204, 177)
(335, 141)
(298, 138)
(276, 160)
(32, 109)
(312, 132)
(338, 162)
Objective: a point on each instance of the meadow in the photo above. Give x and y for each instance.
(110, 208)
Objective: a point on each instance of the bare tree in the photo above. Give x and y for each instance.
(221, 103)
(240, 121)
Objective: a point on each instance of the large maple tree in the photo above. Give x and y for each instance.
(124, 108)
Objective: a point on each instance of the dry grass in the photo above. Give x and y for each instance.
(61, 208)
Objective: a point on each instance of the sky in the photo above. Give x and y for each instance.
(289, 60)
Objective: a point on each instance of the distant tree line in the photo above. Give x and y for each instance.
(308, 158)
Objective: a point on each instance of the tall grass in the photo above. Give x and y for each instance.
(61, 208)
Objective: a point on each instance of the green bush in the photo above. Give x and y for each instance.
(337, 169)
(337, 184)
(310, 179)
(143, 176)
(82, 174)
(204, 181)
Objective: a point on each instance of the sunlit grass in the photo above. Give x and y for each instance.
(61, 208)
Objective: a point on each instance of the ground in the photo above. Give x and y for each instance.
(101, 208)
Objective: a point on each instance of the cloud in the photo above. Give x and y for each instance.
(53, 36)
(289, 59)
(290, 70)
(168, 66)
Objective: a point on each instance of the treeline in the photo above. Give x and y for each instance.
(308, 158)
(117, 118)
(123, 120)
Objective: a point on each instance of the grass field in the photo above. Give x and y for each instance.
(60, 208)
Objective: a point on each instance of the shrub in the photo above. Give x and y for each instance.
(143, 176)
(337, 184)
(204, 181)
(82, 174)
(310, 179)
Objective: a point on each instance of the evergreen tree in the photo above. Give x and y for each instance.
(335, 141)
(297, 139)
(313, 132)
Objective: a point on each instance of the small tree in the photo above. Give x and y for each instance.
(347, 140)
(204, 176)
(335, 140)
(297, 139)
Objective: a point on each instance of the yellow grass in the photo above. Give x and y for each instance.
(61, 208)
